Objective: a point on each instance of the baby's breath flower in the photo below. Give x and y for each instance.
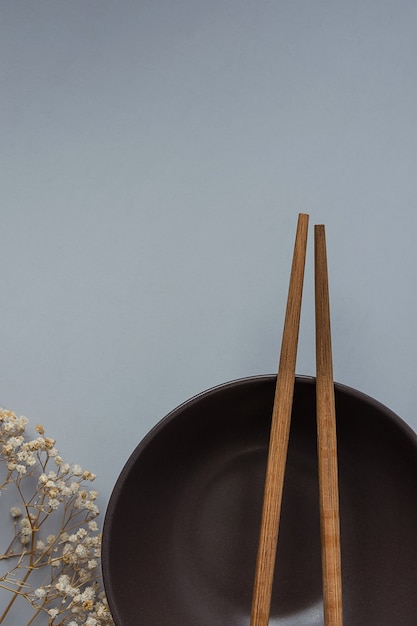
(22, 421)
(88, 593)
(15, 512)
(81, 551)
(63, 585)
(7, 449)
(25, 523)
(25, 455)
(36, 444)
(71, 557)
(43, 479)
(77, 470)
(88, 606)
(74, 487)
(20, 469)
(40, 545)
(92, 508)
(87, 475)
(15, 442)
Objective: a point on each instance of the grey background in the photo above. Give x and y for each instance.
(154, 158)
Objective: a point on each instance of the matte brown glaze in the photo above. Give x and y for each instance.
(182, 526)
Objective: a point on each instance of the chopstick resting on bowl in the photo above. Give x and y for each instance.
(280, 427)
(326, 440)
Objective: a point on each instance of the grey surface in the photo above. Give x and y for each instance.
(154, 158)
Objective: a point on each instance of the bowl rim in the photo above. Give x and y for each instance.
(346, 389)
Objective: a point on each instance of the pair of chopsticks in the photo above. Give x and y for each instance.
(326, 438)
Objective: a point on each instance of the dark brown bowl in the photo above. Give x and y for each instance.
(181, 529)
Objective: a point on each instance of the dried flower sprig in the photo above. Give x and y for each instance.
(54, 552)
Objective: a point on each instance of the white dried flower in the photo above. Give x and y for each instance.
(15, 512)
(72, 551)
(88, 594)
(22, 422)
(20, 469)
(77, 470)
(87, 475)
(81, 551)
(53, 503)
(40, 545)
(15, 442)
(63, 584)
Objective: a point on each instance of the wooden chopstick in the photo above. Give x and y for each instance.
(326, 440)
(280, 427)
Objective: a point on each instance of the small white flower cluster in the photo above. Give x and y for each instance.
(89, 601)
(54, 530)
(57, 487)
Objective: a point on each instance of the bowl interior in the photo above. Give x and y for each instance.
(182, 526)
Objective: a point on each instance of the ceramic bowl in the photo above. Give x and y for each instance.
(182, 526)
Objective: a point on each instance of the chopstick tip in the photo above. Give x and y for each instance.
(303, 219)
